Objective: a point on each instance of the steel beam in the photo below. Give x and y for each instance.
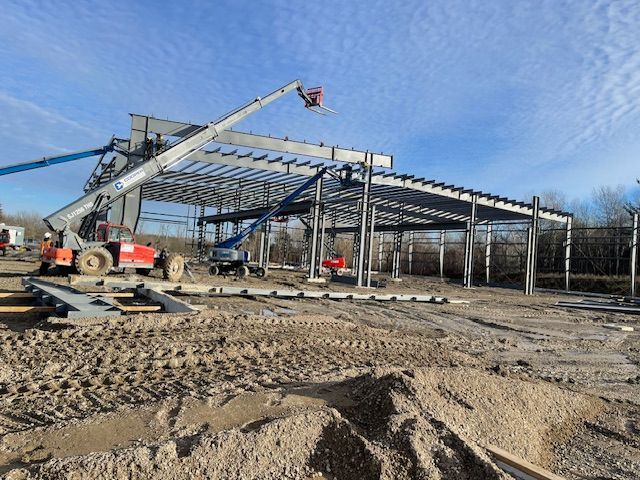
(291, 209)
(69, 301)
(284, 145)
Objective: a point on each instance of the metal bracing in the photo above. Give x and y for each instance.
(469, 244)
(532, 249)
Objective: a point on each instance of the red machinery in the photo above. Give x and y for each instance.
(336, 265)
(5, 242)
(115, 246)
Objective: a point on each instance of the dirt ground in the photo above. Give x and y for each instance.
(268, 388)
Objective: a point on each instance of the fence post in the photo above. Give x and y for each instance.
(487, 252)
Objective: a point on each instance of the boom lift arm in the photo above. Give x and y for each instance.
(100, 197)
(236, 240)
(55, 159)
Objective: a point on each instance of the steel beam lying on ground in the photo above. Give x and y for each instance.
(69, 301)
(255, 292)
(608, 306)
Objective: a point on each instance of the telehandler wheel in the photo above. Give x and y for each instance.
(214, 270)
(94, 261)
(261, 272)
(173, 267)
(242, 271)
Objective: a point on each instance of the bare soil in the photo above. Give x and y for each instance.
(268, 388)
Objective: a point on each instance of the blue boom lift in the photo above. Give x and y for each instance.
(225, 256)
(55, 159)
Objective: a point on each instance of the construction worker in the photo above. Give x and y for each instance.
(46, 242)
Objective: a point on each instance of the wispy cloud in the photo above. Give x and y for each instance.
(485, 94)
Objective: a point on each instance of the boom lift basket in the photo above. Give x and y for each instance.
(316, 94)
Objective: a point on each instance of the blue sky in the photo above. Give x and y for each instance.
(511, 97)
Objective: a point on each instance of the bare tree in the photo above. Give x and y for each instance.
(609, 204)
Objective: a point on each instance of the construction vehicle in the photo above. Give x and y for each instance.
(96, 251)
(225, 256)
(114, 145)
(336, 265)
(11, 237)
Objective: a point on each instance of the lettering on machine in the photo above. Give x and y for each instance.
(129, 179)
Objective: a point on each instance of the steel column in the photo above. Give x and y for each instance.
(380, 250)
(411, 235)
(532, 249)
(372, 222)
(634, 253)
(469, 244)
(487, 252)
(321, 247)
(397, 252)
(443, 236)
(567, 257)
(202, 228)
(364, 212)
(315, 228)
(266, 247)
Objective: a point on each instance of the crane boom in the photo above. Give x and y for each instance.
(55, 159)
(102, 196)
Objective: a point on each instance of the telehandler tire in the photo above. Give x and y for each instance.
(173, 267)
(96, 261)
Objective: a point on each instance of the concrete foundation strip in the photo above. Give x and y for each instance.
(252, 292)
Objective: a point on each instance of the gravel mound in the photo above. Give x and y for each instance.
(424, 423)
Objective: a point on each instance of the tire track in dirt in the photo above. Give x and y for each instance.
(79, 372)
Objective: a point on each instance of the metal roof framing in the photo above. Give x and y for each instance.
(231, 181)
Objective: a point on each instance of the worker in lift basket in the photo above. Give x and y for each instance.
(46, 242)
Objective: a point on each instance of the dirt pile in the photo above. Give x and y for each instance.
(427, 423)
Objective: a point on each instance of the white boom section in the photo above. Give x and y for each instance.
(103, 195)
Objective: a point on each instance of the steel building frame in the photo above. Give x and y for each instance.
(229, 185)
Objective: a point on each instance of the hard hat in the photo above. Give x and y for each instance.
(47, 235)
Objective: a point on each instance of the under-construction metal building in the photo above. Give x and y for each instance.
(242, 174)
